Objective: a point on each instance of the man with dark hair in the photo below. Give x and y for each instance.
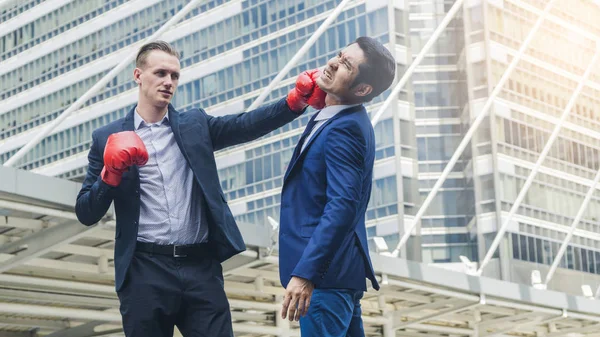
(174, 227)
(323, 255)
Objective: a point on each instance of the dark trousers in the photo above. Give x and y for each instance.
(161, 292)
(333, 313)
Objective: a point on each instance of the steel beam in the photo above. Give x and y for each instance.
(48, 324)
(42, 242)
(514, 328)
(87, 329)
(19, 206)
(572, 228)
(438, 314)
(48, 311)
(47, 297)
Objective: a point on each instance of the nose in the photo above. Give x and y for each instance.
(333, 63)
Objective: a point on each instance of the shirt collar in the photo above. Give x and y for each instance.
(138, 121)
(332, 110)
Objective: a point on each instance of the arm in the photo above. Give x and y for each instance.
(236, 129)
(344, 160)
(240, 128)
(95, 196)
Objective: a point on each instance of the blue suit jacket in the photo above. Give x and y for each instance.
(326, 189)
(198, 135)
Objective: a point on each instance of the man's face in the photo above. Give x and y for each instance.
(158, 78)
(340, 73)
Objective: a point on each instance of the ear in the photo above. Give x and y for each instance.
(137, 72)
(363, 89)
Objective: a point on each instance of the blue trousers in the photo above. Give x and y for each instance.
(161, 292)
(333, 313)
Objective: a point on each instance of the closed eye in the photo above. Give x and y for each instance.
(344, 61)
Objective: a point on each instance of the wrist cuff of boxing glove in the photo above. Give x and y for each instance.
(296, 107)
(110, 178)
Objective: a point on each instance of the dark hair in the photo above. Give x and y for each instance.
(140, 60)
(379, 68)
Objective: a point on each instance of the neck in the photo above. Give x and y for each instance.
(331, 100)
(151, 113)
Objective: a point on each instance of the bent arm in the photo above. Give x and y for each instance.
(344, 159)
(240, 128)
(95, 195)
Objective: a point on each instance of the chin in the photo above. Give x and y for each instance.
(162, 103)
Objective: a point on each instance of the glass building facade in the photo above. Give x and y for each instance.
(231, 49)
(522, 118)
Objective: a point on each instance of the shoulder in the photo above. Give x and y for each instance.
(351, 131)
(357, 124)
(345, 133)
(195, 115)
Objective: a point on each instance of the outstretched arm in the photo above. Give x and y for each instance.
(240, 128)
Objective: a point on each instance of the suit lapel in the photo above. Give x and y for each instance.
(315, 135)
(175, 120)
(175, 127)
(128, 121)
(296, 159)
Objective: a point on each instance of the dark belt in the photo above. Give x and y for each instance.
(193, 250)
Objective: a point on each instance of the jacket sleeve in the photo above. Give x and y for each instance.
(95, 195)
(243, 127)
(344, 159)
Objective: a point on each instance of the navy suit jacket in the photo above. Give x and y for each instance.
(198, 135)
(326, 189)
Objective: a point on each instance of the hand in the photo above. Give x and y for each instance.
(123, 149)
(306, 92)
(317, 98)
(297, 294)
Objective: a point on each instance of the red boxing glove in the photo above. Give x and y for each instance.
(297, 98)
(306, 92)
(122, 150)
(317, 98)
